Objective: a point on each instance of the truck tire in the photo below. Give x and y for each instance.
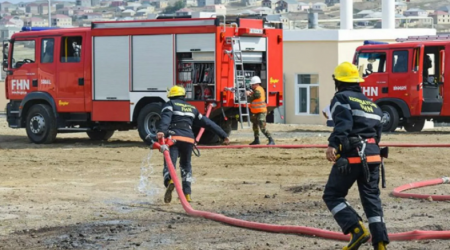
(41, 124)
(100, 135)
(148, 120)
(390, 115)
(210, 137)
(415, 125)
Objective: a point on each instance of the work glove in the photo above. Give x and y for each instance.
(163, 148)
(343, 166)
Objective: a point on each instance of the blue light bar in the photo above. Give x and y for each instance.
(38, 28)
(367, 42)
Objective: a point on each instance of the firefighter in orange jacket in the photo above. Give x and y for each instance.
(353, 147)
(258, 108)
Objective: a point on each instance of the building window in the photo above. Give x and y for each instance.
(307, 94)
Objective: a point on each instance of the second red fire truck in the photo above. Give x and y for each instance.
(114, 75)
(407, 80)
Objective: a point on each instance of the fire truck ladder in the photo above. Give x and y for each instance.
(239, 80)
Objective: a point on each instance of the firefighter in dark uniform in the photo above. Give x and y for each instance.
(353, 147)
(177, 117)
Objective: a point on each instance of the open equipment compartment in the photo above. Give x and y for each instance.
(196, 67)
(254, 54)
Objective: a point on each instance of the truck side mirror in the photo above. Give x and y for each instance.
(442, 64)
(5, 65)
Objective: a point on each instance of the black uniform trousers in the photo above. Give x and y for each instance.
(184, 151)
(336, 190)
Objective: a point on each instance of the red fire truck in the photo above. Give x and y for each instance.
(114, 75)
(406, 79)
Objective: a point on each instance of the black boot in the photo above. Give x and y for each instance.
(271, 142)
(256, 141)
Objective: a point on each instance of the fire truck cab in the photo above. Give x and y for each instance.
(115, 75)
(407, 80)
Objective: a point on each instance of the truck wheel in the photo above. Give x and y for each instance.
(208, 137)
(148, 120)
(41, 124)
(415, 125)
(390, 117)
(100, 135)
(226, 126)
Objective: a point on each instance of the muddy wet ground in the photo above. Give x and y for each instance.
(79, 194)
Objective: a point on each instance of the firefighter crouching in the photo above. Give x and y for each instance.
(353, 147)
(177, 117)
(258, 108)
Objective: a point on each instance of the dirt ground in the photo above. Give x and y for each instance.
(79, 194)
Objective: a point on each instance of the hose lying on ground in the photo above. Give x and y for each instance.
(326, 234)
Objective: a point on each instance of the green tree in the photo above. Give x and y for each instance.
(171, 9)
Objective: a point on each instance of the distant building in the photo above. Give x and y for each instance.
(190, 3)
(61, 20)
(6, 6)
(440, 17)
(35, 22)
(303, 6)
(415, 12)
(286, 6)
(203, 3)
(320, 7)
(32, 8)
(83, 3)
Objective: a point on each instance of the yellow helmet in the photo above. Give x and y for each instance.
(176, 91)
(347, 72)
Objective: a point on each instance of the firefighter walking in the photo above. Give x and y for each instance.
(353, 147)
(258, 108)
(177, 117)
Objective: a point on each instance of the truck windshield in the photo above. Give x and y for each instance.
(23, 52)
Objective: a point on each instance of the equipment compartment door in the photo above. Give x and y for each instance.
(152, 62)
(70, 67)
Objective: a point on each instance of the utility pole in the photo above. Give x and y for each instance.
(49, 14)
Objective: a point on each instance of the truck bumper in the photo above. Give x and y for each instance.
(12, 114)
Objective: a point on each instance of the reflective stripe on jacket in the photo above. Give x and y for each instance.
(355, 115)
(259, 105)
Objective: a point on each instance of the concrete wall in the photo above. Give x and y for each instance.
(2, 98)
(308, 58)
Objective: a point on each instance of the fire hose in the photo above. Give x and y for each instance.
(398, 191)
(291, 229)
(402, 145)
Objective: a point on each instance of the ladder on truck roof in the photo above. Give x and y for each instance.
(240, 96)
(424, 38)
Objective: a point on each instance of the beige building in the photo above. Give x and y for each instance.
(35, 22)
(310, 57)
(61, 20)
(441, 17)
